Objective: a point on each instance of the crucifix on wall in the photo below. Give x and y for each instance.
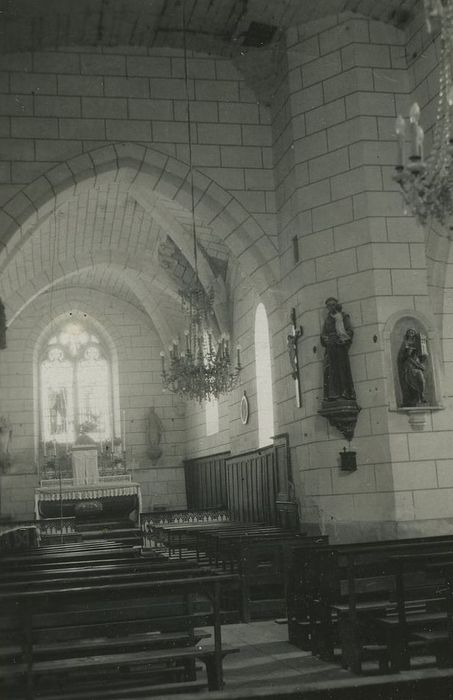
(293, 337)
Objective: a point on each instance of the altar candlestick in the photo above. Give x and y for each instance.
(44, 448)
(54, 448)
(124, 430)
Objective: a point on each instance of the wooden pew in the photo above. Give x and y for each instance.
(176, 536)
(419, 685)
(83, 610)
(261, 558)
(341, 589)
(422, 617)
(244, 548)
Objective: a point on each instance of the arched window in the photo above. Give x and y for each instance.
(75, 385)
(263, 377)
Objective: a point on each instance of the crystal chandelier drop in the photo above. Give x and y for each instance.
(427, 184)
(201, 367)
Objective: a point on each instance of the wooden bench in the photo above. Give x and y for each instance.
(422, 619)
(186, 535)
(338, 592)
(143, 620)
(262, 561)
(419, 685)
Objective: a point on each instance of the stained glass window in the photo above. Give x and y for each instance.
(75, 386)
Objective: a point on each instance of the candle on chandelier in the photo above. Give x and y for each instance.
(420, 139)
(162, 360)
(186, 335)
(400, 128)
(414, 116)
(238, 356)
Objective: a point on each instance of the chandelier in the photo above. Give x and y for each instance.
(427, 184)
(201, 367)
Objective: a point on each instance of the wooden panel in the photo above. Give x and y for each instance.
(205, 482)
(252, 485)
(246, 484)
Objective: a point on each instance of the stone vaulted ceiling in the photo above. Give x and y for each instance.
(216, 25)
(74, 246)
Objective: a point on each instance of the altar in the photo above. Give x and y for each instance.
(109, 498)
(83, 486)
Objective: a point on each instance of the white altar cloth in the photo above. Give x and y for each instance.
(79, 492)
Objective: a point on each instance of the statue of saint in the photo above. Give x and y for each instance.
(411, 369)
(336, 338)
(155, 430)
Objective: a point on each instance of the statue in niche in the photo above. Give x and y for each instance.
(411, 360)
(155, 431)
(336, 338)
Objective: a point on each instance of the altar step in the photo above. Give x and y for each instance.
(98, 524)
(124, 532)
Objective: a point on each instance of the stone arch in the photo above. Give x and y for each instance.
(22, 299)
(151, 174)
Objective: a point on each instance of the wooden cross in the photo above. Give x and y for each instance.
(293, 337)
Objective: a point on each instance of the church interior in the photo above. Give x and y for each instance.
(226, 405)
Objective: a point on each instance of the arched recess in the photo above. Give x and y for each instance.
(421, 323)
(150, 174)
(264, 386)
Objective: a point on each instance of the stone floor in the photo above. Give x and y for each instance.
(267, 659)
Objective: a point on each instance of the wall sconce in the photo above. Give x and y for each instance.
(348, 460)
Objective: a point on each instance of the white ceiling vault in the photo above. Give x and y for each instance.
(215, 25)
(105, 238)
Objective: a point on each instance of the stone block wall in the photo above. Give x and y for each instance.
(347, 80)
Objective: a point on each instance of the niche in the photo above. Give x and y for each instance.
(412, 352)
